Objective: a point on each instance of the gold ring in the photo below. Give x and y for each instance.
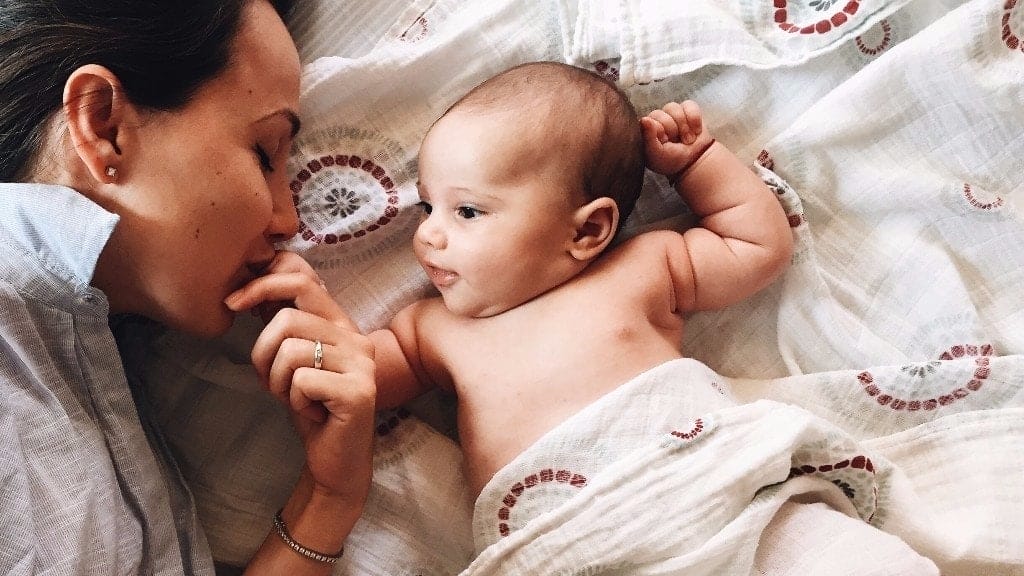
(318, 355)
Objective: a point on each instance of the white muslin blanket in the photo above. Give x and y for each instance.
(673, 474)
(896, 334)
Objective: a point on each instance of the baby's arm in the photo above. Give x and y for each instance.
(743, 241)
(399, 375)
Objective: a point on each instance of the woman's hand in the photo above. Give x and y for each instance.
(332, 407)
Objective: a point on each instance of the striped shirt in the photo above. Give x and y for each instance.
(86, 487)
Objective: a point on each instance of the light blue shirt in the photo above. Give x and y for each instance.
(86, 487)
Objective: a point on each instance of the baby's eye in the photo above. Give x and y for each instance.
(264, 158)
(427, 208)
(467, 212)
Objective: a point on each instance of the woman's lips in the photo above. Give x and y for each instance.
(440, 277)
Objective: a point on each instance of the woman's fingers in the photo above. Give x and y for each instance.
(277, 343)
(331, 395)
(342, 396)
(294, 288)
(340, 353)
(289, 281)
(277, 338)
(286, 262)
(338, 446)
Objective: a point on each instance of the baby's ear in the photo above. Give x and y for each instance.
(596, 223)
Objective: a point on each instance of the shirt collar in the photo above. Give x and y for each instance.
(61, 227)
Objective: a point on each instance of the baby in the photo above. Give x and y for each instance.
(524, 183)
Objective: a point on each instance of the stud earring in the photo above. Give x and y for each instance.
(111, 172)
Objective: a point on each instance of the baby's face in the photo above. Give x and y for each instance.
(498, 220)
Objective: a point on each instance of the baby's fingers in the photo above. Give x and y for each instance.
(668, 125)
(687, 117)
(653, 131)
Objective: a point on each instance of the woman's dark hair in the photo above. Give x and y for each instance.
(162, 51)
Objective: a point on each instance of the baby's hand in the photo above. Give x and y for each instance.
(674, 138)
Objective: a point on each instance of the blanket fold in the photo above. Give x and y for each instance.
(655, 39)
(670, 474)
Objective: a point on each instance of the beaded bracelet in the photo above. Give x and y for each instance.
(282, 531)
(673, 178)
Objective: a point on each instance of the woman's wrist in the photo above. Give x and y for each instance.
(281, 528)
(318, 520)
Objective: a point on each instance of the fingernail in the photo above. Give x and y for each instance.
(232, 300)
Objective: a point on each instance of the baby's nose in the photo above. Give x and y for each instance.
(430, 233)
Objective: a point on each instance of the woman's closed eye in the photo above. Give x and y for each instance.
(427, 208)
(264, 158)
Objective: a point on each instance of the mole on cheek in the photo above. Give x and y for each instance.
(196, 234)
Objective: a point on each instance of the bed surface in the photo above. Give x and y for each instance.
(897, 126)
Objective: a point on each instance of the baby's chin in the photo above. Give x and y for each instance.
(459, 307)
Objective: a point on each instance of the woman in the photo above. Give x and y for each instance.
(144, 145)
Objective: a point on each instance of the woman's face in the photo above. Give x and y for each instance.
(204, 192)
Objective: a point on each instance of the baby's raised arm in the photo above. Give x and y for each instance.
(743, 241)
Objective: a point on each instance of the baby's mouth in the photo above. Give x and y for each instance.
(440, 277)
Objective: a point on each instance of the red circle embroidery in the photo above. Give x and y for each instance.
(339, 202)
(1011, 40)
(698, 427)
(972, 197)
(981, 356)
(546, 476)
(881, 45)
(820, 27)
(841, 474)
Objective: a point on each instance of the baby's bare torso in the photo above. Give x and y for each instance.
(519, 374)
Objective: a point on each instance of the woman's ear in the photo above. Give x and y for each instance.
(95, 108)
(596, 223)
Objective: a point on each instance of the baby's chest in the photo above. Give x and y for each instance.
(553, 333)
(544, 357)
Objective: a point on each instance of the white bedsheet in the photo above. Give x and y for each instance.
(901, 130)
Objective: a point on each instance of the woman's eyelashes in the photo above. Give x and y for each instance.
(425, 206)
(264, 158)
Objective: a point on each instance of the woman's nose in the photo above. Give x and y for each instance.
(284, 221)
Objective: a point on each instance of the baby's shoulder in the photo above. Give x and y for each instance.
(646, 246)
(424, 310)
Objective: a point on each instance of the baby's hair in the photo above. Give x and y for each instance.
(594, 120)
